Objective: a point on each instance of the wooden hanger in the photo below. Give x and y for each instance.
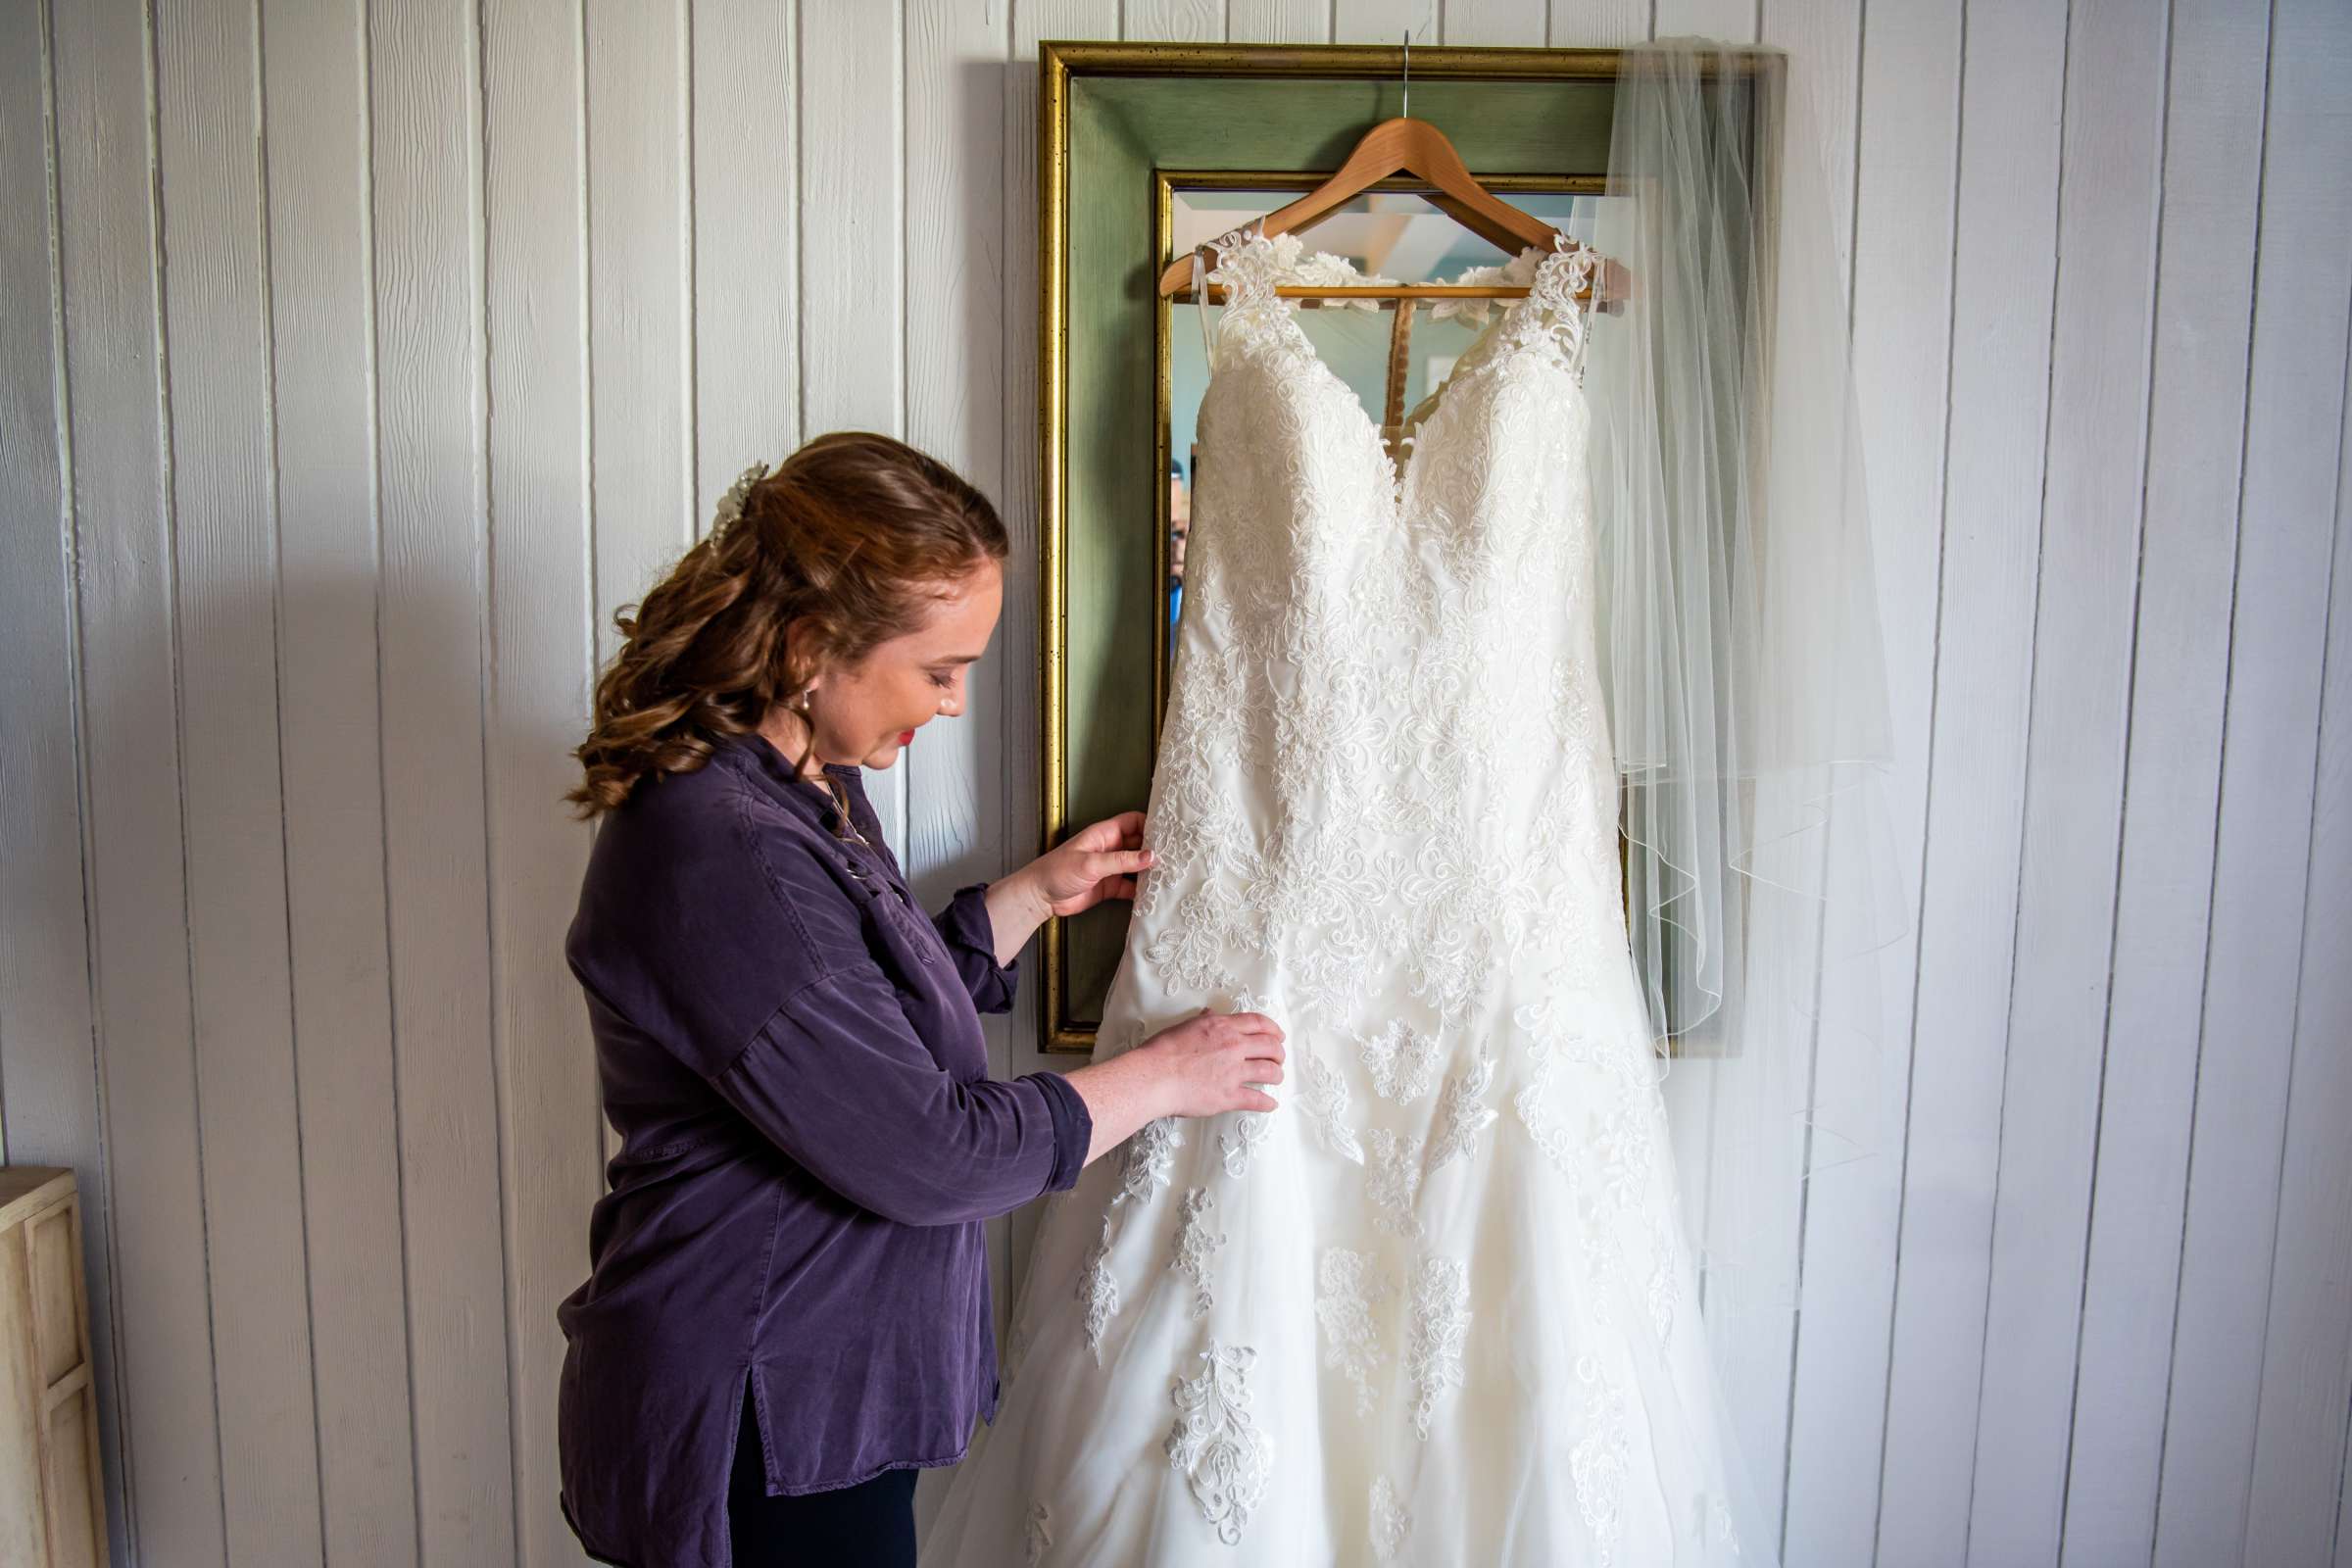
(1400, 147)
(1408, 146)
(1419, 148)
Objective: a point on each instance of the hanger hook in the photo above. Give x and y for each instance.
(1426, 18)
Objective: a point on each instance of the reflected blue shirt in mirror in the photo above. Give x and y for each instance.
(791, 1053)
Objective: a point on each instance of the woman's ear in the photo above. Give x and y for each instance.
(793, 652)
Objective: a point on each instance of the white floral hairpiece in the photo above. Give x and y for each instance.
(730, 505)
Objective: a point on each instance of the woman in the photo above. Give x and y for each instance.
(788, 1312)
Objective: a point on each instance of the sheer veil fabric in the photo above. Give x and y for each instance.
(1744, 676)
(1451, 1303)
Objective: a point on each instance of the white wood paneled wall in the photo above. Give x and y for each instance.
(358, 357)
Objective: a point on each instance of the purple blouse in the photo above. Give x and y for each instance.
(791, 1051)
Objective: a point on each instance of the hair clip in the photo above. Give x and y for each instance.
(730, 505)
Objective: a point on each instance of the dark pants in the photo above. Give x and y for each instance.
(870, 1525)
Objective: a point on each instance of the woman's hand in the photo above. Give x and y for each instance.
(1096, 862)
(1203, 1066)
(1213, 1062)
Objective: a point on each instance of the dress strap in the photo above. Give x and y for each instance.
(1560, 278)
(1234, 261)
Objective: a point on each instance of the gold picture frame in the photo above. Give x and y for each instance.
(1123, 127)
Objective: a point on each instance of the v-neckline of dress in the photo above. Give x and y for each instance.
(1472, 361)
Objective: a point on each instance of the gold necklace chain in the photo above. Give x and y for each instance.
(841, 798)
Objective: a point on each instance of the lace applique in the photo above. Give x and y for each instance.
(1517, 272)
(1615, 1173)
(1451, 967)
(1249, 1131)
(1570, 710)
(1555, 321)
(1393, 1181)
(1194, 1243)
(1150, 1160)
(1441, 1328)
(1390, 1524)
(1346, 1290)
(1281, 255)
(1191, 947)
(1665, 1280)
(1099, 1289)
(1039, 1536)
(1625, 1153)
(1600, 1460)
(1462, 1112)
(1213, 1442)
(1402, 1060)
(1323, 1101)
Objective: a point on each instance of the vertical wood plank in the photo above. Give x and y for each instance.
(1903, 150)
(853, 247)
(955, 331)
(1493, 21)
(1017, 629)
(2002, 291)
(1278, 21)
(638, 278)
(314, 101)
(1750, 1210)
(540, 596)
(224, 562)
(2299, 1446)
(954, 311)
(2294, 399)
(49, 1109)
(133, 855)
(2197, 403)
(746, 205)
(1734, 21)
(1598, 24)
(426, 99)
(44, 993)
(1382, 20)
(1824, 43)
(2111, 162)
(1173, 21)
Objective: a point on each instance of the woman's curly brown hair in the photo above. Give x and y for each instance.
(848, 543)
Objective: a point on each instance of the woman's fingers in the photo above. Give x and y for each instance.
(1262, 1032)
(1112, 863)
(1124, 831)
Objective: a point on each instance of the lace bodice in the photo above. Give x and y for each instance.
(1385, 642)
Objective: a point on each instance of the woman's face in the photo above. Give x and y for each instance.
(867, 712)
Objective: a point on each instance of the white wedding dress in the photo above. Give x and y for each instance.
(1435, 1309)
